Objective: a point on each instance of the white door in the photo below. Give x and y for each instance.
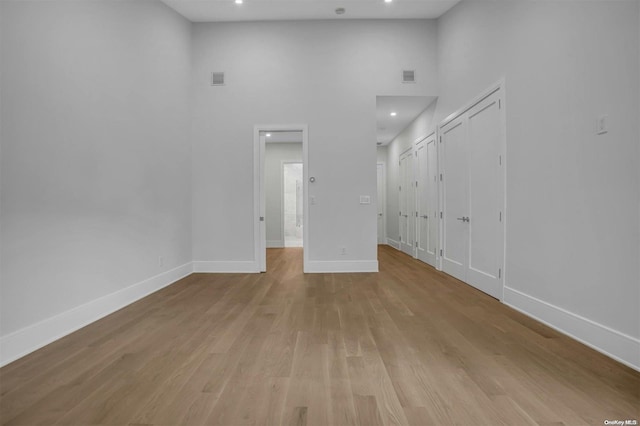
(453, 149)
(382, 236)
(407, 207)
(426, 200)
(292, 209)
(471, 148)
(485, 203)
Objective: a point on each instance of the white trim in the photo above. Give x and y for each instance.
(275, 243)
(329, 266)
(384, 201)
(499, 85)
(393, 243)
(421, 138)
(614, 344)
(226, 266)
(33, 337)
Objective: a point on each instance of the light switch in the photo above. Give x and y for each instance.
(312, 199)
(365, 199)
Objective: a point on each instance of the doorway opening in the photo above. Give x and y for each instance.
(280, 189)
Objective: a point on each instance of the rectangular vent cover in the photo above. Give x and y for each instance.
(217, 79)
(408, 76)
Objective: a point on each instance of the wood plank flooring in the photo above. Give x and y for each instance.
(408, 345)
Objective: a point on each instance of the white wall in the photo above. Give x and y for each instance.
(572, 196)
(638, 169)
(423, 125)
(95, 167)
(275, 155)
(323, 73)
(382, 152)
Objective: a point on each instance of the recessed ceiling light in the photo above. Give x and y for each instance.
(388, 1)
(393, 114)
(238, 1)
(268, 135)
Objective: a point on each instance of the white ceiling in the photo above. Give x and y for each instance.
(280, 10)
(407, 108)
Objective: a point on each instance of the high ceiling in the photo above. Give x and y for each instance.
(406, 109)
(276, 10)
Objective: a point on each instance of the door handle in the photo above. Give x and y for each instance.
(379, 214)
(405, 215)
(424, 216)
(463, 218)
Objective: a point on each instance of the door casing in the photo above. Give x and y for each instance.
(383, 191)
(259, 199)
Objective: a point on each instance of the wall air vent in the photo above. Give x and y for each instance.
(408, 76)
(217, 78)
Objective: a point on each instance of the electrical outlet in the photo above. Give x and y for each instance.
(160, 261)
(343, 251)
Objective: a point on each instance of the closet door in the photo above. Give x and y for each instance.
(485, 196)
(407, 209)
(455, 193)
(472, 149)
(426, 200)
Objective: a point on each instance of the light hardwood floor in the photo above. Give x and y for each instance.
(408, 345)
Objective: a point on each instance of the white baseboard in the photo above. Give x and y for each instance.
(318, 266)
(275, 244)
(226, 266)
(33, 337)
(617, 345)
(393, 243)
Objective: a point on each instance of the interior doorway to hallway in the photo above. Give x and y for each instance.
(280, 190)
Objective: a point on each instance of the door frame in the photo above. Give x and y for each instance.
(259, 199)
(384, 197)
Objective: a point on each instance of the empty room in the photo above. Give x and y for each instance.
(319, 212)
